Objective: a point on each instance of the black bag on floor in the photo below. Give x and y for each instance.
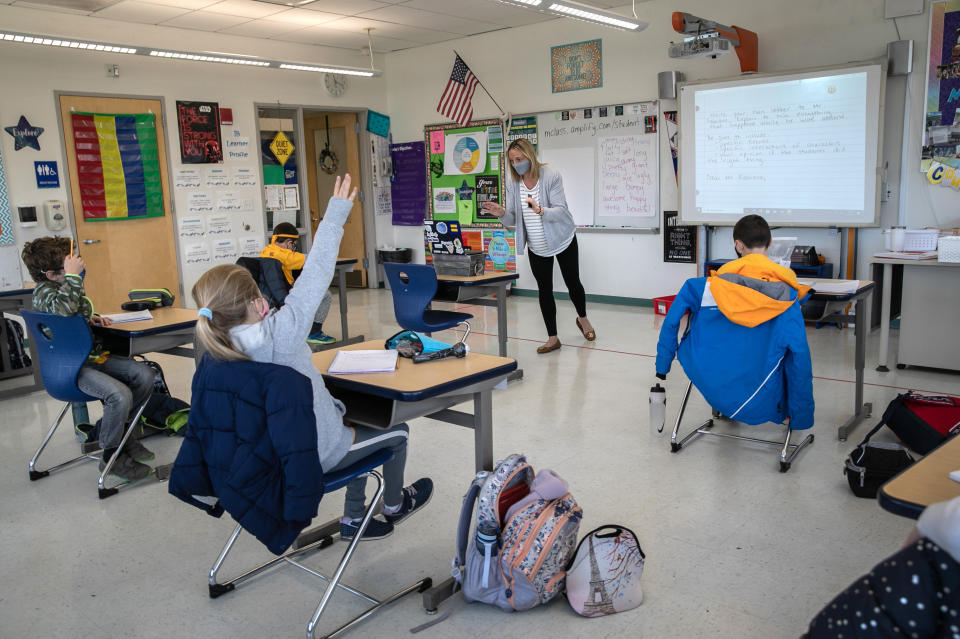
(164, 412)
(18, 355)
(870, 464)
(923, 422)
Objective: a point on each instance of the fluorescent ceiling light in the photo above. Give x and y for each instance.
(592, 14)
(216, 57)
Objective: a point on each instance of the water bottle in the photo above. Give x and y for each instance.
(488, 545)
(658, 409)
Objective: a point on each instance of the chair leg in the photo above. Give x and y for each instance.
(675, 445)
(334, 582)
(32, 466)
(466, 333)
(107, 492)
(786, 455)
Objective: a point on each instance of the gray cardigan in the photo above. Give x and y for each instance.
(281, 338)
(558, 225)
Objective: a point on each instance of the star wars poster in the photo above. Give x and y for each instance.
(199, 132)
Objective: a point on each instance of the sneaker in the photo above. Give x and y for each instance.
(415, 496)
(320, 337)
(85, 432)
(137, 451)
(376, 529)
(127, 468)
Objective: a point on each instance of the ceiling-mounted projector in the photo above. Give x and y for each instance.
(701, 47)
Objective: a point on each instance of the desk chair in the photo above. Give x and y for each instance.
(199, 451)
(413, 287)
(267, 272)
(61, 346)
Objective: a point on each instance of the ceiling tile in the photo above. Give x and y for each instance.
(346, 7)
(484, 10)
(185, 4)
(305, 17)
(47, 7)
(262, 28)
(324, 36)
(205, 21)
(245, 8)
(390, 30)
(401, 14)
(132, 11)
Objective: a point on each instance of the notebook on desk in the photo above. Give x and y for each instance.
(832, 287)
(907, 255)
(133, 316)
(352, 362)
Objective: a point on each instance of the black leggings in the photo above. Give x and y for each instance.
(542, 267)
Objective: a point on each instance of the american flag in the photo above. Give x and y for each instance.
(457, 100)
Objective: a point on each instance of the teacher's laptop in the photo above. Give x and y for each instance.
(443, 237)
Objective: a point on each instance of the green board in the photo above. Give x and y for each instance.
(465, 169)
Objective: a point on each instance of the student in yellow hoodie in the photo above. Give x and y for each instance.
(746, 346)
(283, 248)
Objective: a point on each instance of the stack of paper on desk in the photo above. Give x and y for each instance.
(133, 316)
(907, 255)
(833, 287)
(347, 362)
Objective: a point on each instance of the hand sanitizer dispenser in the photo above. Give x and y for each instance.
(55, 215)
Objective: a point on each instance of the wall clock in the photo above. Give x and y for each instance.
(336, 84)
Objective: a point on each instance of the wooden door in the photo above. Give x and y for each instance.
(125, 253)
(344, 142)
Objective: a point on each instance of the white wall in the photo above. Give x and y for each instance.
(31, 74)
(515, 66)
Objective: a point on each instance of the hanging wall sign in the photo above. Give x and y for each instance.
(24, 134)
(577, 66)
(378, 123)
(47, 176)
(199, 132)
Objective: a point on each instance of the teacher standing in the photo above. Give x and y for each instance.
(537, 208)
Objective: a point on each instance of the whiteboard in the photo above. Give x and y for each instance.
(800, 149)
(609, 159)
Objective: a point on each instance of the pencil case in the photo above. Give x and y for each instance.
(159, 296)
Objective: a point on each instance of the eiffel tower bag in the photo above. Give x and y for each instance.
(604, 575)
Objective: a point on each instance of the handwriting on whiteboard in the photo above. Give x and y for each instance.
(627, 179)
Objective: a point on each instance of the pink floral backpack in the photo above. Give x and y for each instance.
(604, 575)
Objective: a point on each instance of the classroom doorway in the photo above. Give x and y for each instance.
(332, 144)
(128, 253)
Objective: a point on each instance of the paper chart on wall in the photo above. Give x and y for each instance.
(273, 194)
(219, 225)
(187, 178)
(628, 183)
(225, 249)
(244, 176)
(229, 202)
(250, 246)
(199, 202)
(465, 153)
(291, 197)
(445, 200)
(197, 253)
(192, 227)
(383, 204)
(217, 176)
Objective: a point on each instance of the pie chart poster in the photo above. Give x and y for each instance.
(465, 169)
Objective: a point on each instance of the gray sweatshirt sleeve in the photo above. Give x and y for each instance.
(940, 523)
(558, 200)
(295, 317)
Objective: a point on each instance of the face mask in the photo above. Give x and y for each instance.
(522, 167)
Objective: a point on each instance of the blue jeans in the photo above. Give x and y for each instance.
(122, 385)
(365, 442)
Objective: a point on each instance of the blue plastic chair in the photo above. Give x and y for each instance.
(61, 346)
(413, 287)
(318, 538)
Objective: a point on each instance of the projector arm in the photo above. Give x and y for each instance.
(744, 41)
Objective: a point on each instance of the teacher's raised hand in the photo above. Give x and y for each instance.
(493, 209)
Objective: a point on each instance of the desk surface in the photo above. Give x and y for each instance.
(924, 483)
(885, 260)
(165, 318)
(17, 292)
(865, 286)
(473, 280)
(413, 382)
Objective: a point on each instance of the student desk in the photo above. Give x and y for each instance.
(859, 297)
(459, 288)
(12, 302)
(925, 482)
(429, 390)
(929, 308)
(169, 329)
(344, 266)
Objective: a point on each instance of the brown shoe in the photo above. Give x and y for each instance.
(589, 335)
(546, 349)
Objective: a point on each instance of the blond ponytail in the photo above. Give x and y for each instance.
(225, 291)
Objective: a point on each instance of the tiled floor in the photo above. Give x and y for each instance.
(734, 548)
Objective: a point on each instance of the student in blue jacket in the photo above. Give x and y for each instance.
(235, 322)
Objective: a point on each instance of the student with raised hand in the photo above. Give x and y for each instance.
(235, 322)
(122, 384)
(537, 207)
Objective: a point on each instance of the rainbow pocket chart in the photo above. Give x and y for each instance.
(118, 165)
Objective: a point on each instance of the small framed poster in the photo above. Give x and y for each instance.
(679, 241)
(577, 66)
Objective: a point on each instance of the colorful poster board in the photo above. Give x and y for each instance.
(118, 165)
(941, 126)
(408, 188)
(200, 141)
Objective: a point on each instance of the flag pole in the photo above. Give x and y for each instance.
(481, 85)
